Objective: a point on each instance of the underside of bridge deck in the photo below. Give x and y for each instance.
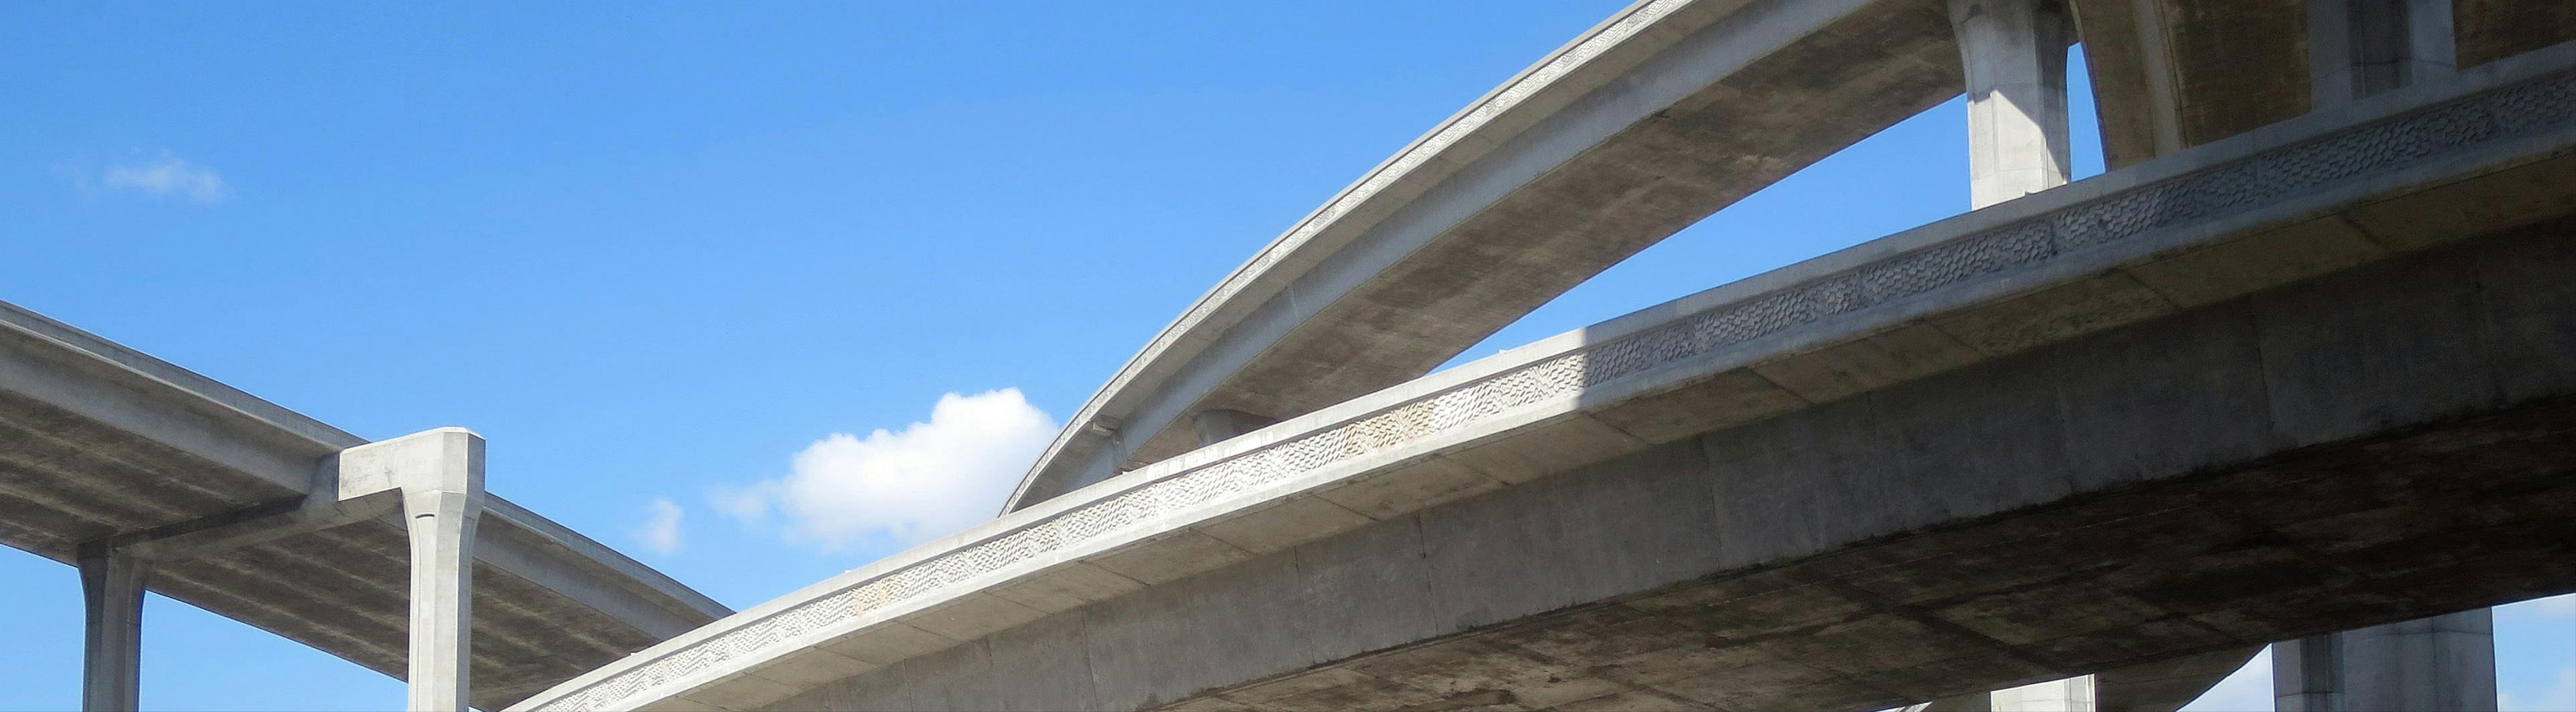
(2470, 507)
(2379, 444)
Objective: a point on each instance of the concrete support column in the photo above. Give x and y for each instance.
(1219, 425)
(2074, 694)
(2445, 662)
(112, 663)
(2357, 48)
(439, 475)
(2014, 52)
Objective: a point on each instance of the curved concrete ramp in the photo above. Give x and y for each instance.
(2102, 426)
(1658, 117)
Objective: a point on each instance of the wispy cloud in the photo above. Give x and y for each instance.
(928, 479)
(163, 177)
(661, 529)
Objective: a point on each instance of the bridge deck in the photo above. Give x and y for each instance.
(98, 441)
(1443, 511)
(1660, 116)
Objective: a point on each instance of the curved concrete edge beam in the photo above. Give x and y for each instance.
(1658, 52)
(1467, 428)
(79, 372)
(623, 580)
(2167, 685)
(169, 375)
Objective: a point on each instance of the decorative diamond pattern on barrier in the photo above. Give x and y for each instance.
(2235, 187)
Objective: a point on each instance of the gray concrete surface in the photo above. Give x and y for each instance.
(1216, 426)
(2166, 685)
(1661, 115)
(112, 634)
(104, 447)
(2360, 48)
(2160, 686)
(2100, 427)
(438, 474)
(2014, 53)
(2444, 662)
(2357, 48)
(2073, 694)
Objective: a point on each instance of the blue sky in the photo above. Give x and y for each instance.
(719, 282)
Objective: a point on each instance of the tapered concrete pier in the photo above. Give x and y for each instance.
(2014, 52)
(439, 474)
(112, 589)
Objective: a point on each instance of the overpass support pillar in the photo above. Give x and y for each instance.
(2357, 48)
(2445, 662)
(2014, 52)
(439, 476)
(112, 662)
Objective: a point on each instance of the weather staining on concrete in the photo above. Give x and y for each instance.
(1888, 475)
(2293, 371)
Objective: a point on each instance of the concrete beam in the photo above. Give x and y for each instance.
(2445, 662)
(2360, 48)
(2014, 52)
(112, 662)
(252, 525)
(2135, 100)
(1219, 425)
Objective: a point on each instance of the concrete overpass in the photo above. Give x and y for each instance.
(1661, 115)
(2284, 374)
(148, 476)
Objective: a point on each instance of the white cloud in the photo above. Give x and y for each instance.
(929, 479)
(750, 504)
(661, 528)
(2249, 689)
(169, 175)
